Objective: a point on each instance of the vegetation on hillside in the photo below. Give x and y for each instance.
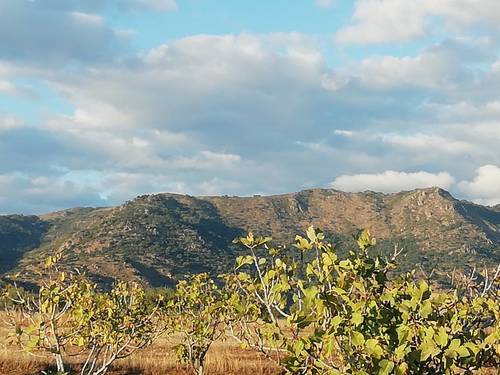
(156, 240)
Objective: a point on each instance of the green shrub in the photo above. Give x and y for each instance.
(197, 312)
(69, 310)
(333, 316)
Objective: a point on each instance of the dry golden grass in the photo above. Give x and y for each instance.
(159, 359)
(224, 358)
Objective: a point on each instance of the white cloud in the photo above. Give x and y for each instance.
(382, 21)
(417, 141)
(8, 86)
(195, 86)
(205, 114)
(88, 18)
(8, 122)
(208, 160)
(123, 186)
(441, 67)
(187, 72)
(344, 133)
(428, 142)
(159, 5)
(485, 186)
(57, 35)
(169, 113)
(427, 70)
(39, 194)
(377, 21)
(324, 3)
(392, 181)
(467, 110)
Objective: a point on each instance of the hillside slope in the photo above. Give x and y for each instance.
(18, 234)
(158, 238)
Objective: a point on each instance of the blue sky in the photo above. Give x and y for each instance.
(101, 101)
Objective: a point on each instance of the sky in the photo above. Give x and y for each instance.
(104, 100)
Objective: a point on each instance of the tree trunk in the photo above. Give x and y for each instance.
(59, 362)
(198, 367)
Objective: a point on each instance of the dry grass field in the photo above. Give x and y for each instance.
(159, 359)
(223, 358)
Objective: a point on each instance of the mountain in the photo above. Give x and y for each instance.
(158, 238)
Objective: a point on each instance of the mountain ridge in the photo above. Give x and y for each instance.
(155, 239)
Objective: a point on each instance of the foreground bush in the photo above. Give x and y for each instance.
(114, 325)
(45, 321)
(197, 312)
(70, 312)
(332, 316)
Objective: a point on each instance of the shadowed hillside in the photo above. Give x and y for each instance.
(18, 234)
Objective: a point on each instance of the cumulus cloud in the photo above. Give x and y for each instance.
(377, 21)
(428, 70)
(39, 194)
(30, 150)
(438, 144)
(80, 36)
(209, 160)
(392, 181)
(485, 186)
(182, 113)
(124, 186)
(194, 86)
(439, 67)
(8, 122)
(206, 114)
(428, 142)
(324, 3)
(98, 5)
(382, 21)
(11, 89)
(182, 117)
(344, 133)
(159, 5)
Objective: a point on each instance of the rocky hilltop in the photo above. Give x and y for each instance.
(158, 238)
